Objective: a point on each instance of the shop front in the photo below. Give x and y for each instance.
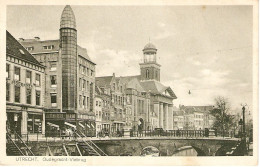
(117, 128)
(55, 124)
(24, 120)
(14, 122)
(34, 123)
(106, 128)
(86, 125)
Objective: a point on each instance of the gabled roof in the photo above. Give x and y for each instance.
(98, 91)
(83, 52)
(15, 49)
(156, 87)
(103, 81)
(131, 82)
(192, 109)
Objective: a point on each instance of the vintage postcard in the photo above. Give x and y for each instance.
(129, 83)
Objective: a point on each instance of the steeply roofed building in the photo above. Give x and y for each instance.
(25, 90)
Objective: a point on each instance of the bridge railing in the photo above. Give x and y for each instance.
(168, 133)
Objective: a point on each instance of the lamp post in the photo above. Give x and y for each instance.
(244, 131)
(244, 125)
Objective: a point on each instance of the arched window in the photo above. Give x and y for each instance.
(147, 73)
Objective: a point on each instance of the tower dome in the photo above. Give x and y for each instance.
(67, 18)
(149, 48)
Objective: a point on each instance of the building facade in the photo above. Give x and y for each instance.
(197, 117)
(70, 78)
(25, 90)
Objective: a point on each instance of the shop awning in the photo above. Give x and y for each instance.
(54, 125)
(92, 126)
(71, 125)
(81, 125)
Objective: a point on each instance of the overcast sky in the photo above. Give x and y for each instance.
(207, 50)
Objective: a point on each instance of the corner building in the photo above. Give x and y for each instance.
(70, 78)
(25, 90)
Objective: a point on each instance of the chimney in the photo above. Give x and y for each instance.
(37, 38)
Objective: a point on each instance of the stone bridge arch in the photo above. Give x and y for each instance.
(166, 146)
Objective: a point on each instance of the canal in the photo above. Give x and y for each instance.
(186, 151)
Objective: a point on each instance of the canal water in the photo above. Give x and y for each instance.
(183, 151)
(186, 151)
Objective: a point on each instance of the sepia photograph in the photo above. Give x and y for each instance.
(130, 80)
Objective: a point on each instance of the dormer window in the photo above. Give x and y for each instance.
(49, 47)
(30, 48)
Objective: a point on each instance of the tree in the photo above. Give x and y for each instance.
(223, 120)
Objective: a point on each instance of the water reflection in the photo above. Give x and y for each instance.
(150, 151)
(186, 151)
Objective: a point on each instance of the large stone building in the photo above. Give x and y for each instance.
(140, 102)
(70, 77)
(25, 90)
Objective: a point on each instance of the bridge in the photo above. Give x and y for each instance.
(167, 144)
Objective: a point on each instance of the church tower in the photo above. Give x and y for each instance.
(150, 69)
(68, 48)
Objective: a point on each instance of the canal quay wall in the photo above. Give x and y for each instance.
(135, 146)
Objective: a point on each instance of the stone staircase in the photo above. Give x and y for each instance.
(17, 147)
(89, 148)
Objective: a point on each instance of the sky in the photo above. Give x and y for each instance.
(204, 49)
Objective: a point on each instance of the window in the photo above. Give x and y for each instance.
(91, 73)
(38, 98)
(17, 73)
(96, 103)
(7, 92)
(34, 123)
(49, 47)
(79, 83)
(80, 99)
(99, 104)
(28, 77)
(87, 71)
(84, 102)
(53, 66)
(84, 84)
(53, 99)
(17, 91)
(114, 86)
(87, 85)
(30, 48)
(147, 73)
(83, 70)
(53, 81)
(7, 71)
(38, 79)
(87, 101)
(28, 95)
